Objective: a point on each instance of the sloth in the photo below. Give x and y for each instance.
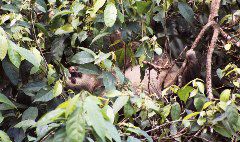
(153, 81)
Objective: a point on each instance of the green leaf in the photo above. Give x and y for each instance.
(232, 115)
(11, 71)
(41, 5)
(108, 113)
(72, 105)
(50, 117)
(64, 29)
(191, 115)
(57, 90)
(132, 139)
(82, 57)
(75, 126)
(57, 47)
(94, 117)
(4, 99)
(119, 103)
(199, 102)
(10, 7)
(61, 136)
(14, 57)
(102, 56)
(175, 111)
(61, 13)
(97, 5)
(143, 6)
(88, 69)
(206, 105)
(42, 28)
(120, 16)
(120, 75)
(82, 36)
(225, 95)
(99, 36)
(128, 110)
(44, 97)
(3, 47)
(200, 86)
(201, 121)
(109, 81)
(222, 131)
(186, 11)
(76, 7)
(25, 124)
(112, 132)
(166, 110)
(30, 114)
(110, 14)
(26, 54)
(158, 50)
(4, 137)
(1, 117)
(140, 132)
(220, 73)
(184, 92)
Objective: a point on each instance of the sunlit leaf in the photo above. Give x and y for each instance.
(94, 117)
(110, 14)
(50, 117)
(119, 103)
(225, 95)
(25, 124)
(191, 115)
(82, 57)
(61, 13)
(184, 92)
(4, 99)
(57, 90)
(64, 29)
(140, 132)
(75, 126)
(3, 47)
(4, 137)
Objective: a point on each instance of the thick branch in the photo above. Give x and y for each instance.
(209, 63)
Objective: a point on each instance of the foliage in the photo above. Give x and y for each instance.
(41, 39)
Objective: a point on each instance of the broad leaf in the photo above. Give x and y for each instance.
(3, 47)
(225, 95)
(64, 29)
(112, 132)
(82, 57)
(97, 5)
(94, 117)
(98, 37)
(61, 13)
(140, 132)
(75, 126)
(119, 103)
(57, 90)
(50, 117)
(109, 81)
(186, 11)
(184, 92)
(4, 99)
(25, 124)
(175, 111)
(110, 14)
(4, 137)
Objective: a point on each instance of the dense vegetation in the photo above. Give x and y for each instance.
(47, 45)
